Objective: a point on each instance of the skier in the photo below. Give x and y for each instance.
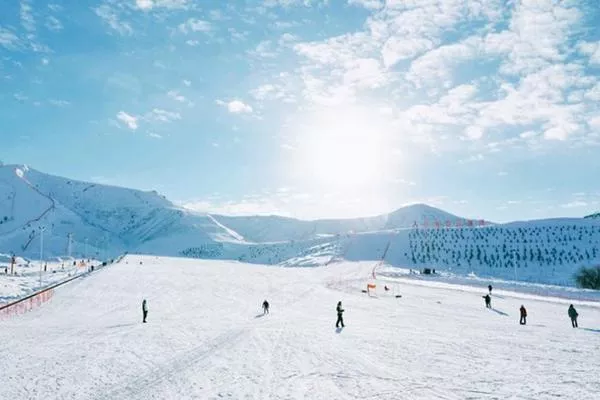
(523, 320)
(488, 301)
(144, 310)
(340, 318)
(490, 288)
(386, 288)
(265, 306)
(573, 315)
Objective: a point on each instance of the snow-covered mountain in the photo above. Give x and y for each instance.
(262, 229)
(105, 221)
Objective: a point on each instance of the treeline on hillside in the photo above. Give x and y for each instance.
(209, 250)
(505, 247)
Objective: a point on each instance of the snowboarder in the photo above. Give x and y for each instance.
(490, 288)
(340, 318)
(265, 306)
(488, 301)
(144, 310)
(573, 315)
(523, 320)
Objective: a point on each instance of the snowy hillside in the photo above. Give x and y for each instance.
(103, 220)
(206, 338)
(261, 229)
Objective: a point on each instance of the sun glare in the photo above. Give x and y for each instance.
(344, 150)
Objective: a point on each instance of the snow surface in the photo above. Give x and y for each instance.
(206, 339)
(27, 277)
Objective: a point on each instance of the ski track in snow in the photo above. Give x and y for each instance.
(206, 338)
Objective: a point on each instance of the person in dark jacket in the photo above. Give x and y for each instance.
(340, 318)
(265, 306)
(488, 301)
(573, 315)
(144, 310)
(490, 288)
(523, 320)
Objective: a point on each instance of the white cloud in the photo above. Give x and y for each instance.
(436, 65)
(27, 20)
(175, 95)
(594, 122)
(473, 158)
(111, 18)
(264, 49)
(53, 23)
(474, 132)
(592, 50)
(368, 4)
(396, 49)
(127, 119)
(289, 3)
(8, 39)
(187, 83)
(538, 35)
(59, 103)
(593, 93)
(574, 204)
(195, 25)
(155, 135)
(150, 4)
(159, 115)
(144, 4)
(235, 106)
(268, 92)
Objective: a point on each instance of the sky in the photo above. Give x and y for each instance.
(312, 108)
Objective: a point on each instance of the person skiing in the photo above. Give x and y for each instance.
(488, 301)
(490, 288)
(265, 306)
(523, 320)
(144, 310)
(340, 318)
(573, 315)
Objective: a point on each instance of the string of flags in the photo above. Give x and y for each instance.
(458, 223)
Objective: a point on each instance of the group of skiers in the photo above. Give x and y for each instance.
(573, 314)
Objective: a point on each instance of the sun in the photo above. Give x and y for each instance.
(345, 149)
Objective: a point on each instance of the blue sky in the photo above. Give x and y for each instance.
(312, 108)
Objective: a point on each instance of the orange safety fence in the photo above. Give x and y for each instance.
(25, 305)
(34, 300)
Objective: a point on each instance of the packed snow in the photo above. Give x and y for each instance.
(26, 277)
(207, 338)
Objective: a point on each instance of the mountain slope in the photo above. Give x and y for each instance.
(273, 228)
(105, 219)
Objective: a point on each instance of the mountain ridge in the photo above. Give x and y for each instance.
(105, 221)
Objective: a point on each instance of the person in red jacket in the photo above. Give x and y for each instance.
(523, 320)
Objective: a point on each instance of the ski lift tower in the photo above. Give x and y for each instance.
(70, 245)
(42, 229)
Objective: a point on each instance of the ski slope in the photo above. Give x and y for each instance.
(206, 339)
